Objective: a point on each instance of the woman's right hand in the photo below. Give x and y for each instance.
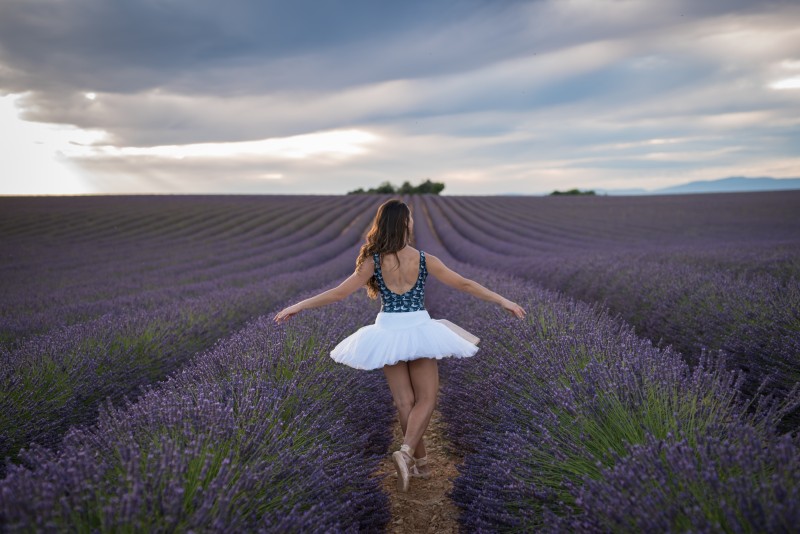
(513, 308)
(283, 315)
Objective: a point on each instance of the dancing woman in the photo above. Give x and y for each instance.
(404, 340)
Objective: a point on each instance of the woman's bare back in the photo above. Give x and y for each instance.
(402, 276)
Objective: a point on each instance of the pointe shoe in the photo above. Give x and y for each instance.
(420, 469)
(403, 461)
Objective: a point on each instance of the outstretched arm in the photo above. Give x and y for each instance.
(451, 278)
(350, 285)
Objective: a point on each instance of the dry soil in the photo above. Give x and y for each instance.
(425, 507)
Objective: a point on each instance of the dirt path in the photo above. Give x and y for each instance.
(425, 507)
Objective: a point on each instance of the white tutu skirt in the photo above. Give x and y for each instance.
(400, 336)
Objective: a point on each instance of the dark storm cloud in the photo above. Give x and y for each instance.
(55, 51)
(240, 47)
(58, 50)
(127, 46)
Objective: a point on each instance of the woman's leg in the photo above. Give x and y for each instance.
(424, 373)
(399, 380)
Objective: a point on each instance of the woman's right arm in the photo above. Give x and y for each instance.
(451, 278)
(356, 280)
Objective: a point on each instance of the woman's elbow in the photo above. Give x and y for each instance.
(342, 292)
(465, 284)
(338, 294)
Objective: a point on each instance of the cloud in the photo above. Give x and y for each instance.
(336, 145)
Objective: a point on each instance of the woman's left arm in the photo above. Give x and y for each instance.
(451, 278)
(346, 288)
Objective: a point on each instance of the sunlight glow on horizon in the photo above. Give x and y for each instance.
(337, 144)
(33, 162)
(44, 159)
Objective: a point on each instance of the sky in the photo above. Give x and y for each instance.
(323, 97)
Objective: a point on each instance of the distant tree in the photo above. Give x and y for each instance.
(572, 192)
(406, 188)
(431, 188)
(386, 188)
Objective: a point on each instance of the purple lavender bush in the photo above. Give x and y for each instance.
(53, 381)
(557, 400)
(725, 277)
(53, 283)
(554, 402)
(58, 379)
(262, 432)
(745, 485)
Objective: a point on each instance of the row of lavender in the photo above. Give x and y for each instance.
(54, 380)
(703, 273)
(194, 248)
(264, 432)
(570, 422)
(563, 224)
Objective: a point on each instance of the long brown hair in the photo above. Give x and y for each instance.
(389, 233)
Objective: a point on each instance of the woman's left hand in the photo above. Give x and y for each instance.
(513, 308)
(284, 315)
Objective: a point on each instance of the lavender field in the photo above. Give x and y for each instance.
(653, 384)
(702, 273)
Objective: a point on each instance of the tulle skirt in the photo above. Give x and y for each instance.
(400, 336)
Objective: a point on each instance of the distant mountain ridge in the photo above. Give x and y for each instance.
(731, 184)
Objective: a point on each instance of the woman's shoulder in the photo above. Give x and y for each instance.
(365, 263)
(428, 255)
(433, 261)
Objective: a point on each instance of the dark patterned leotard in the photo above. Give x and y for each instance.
(411, 300)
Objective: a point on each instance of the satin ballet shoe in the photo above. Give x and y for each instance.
(403, 462)
(420, 469)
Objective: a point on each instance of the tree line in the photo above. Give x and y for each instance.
(572, 192)
(386, 188)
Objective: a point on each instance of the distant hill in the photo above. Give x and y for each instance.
(735, 183)
(723, 185)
